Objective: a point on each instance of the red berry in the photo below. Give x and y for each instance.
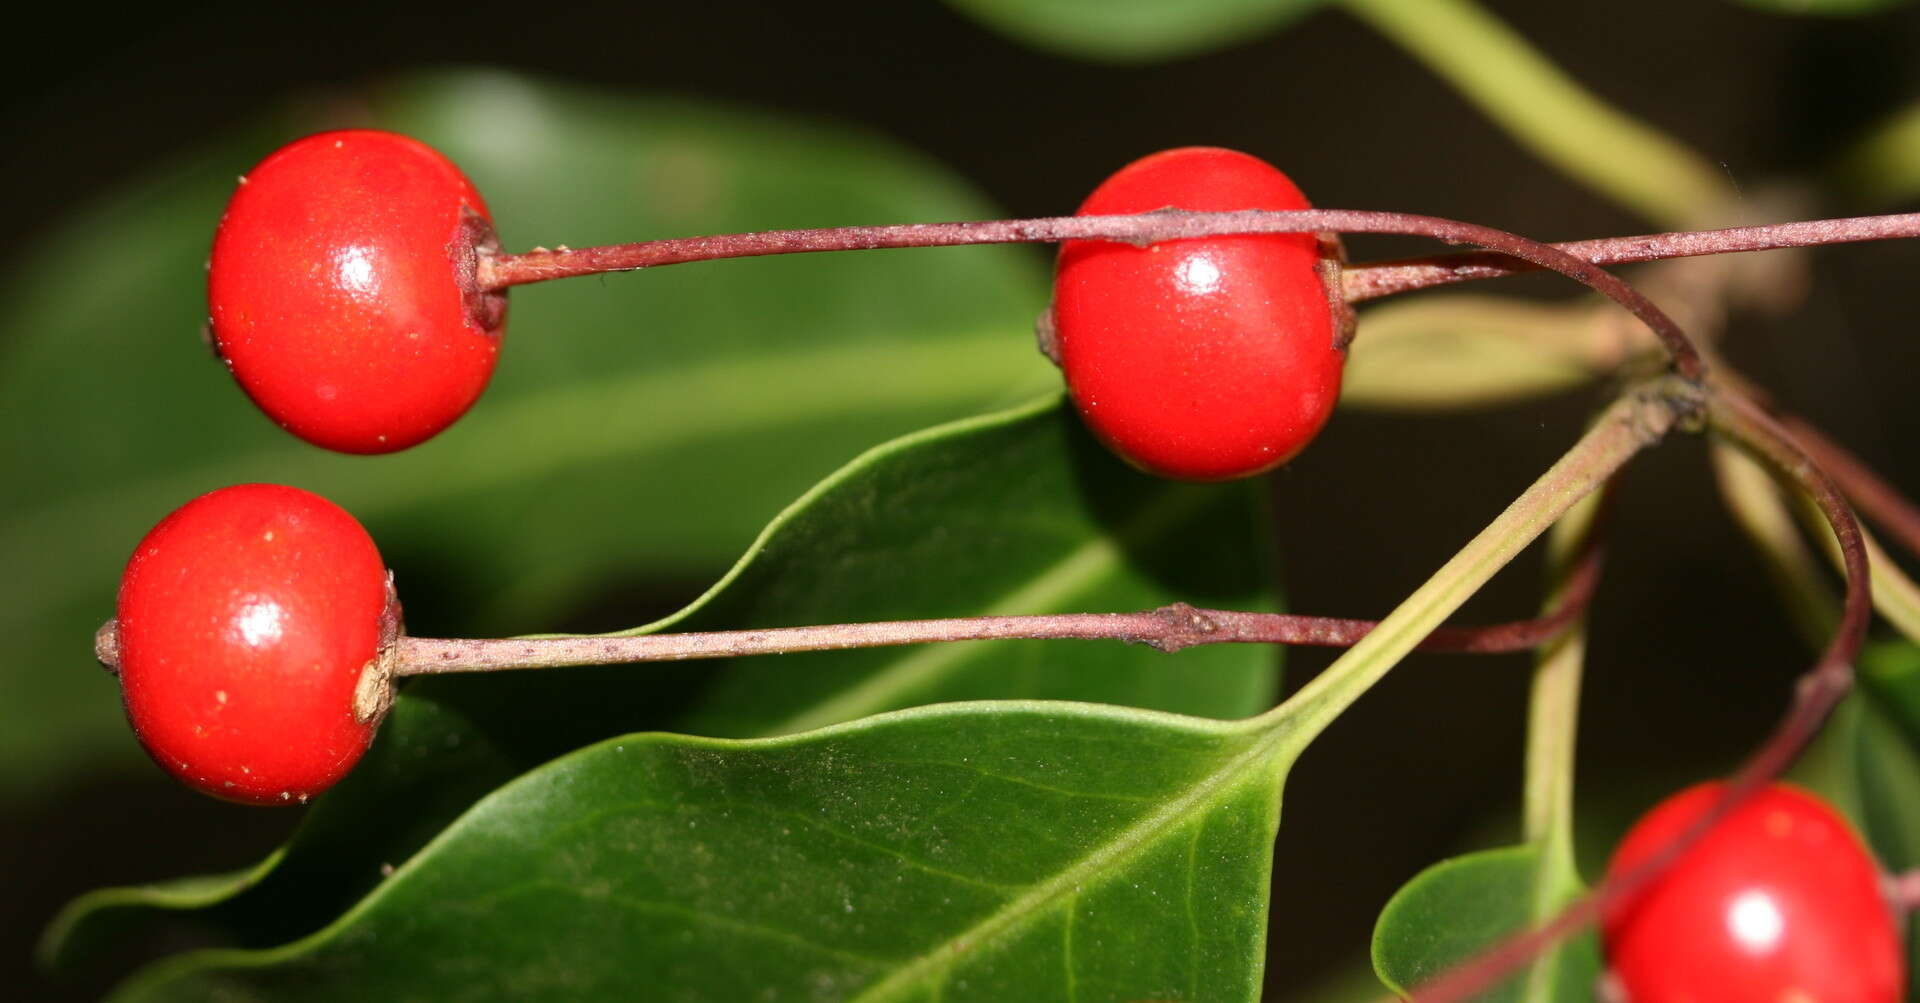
(1781, 901)
(343, 295)
(1201, 359)
(244, 622)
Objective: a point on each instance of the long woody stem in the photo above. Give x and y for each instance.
(1506, 255)
(1169, 628)
(1371, 280)
(500, 271)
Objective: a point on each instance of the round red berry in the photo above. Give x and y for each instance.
(1780, 901)
(1201, 359)
(244, 622)
(343, 292)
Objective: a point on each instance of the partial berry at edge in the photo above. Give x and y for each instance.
(342, 290)
(1202, 359)
(245, 622)
(1779, 902)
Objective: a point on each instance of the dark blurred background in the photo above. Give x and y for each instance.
(1690, 659)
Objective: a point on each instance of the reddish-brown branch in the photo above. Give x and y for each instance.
(500, 271)
(1169, 628)
(1865, 488)
(1877, 499)
(1371, 280)
(1814, 698)
(1903, 891)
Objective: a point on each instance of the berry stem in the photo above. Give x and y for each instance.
(1877, 499)
(1903, 891)
(1168, 628)
(501, 271)
(1753, 497)
(1895, 596)
(1384, 278)
(1819, 690)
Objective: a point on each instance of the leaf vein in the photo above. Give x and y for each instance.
(1267, 755)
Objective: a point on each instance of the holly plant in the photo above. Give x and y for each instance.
(991, 710)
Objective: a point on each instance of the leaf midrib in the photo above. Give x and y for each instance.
(1268, 755)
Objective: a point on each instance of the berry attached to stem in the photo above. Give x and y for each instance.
(1202, 359)
(1779, 901)
(344, 295)
(245, 623)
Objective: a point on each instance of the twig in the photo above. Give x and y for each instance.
(1746, 424)
(500, 271)
(1169, 628)
(1877, 499)
(1372, 280)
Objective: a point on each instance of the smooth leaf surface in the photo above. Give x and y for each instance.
(638, 424)
(1016, 512)
(1133, 30)
(1459, 907)
(964, 852)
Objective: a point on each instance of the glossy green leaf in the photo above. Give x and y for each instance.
(645, 423)
(1867, 762)
(1459, 907)
(1134, 30)
(1016, 512)
(965, 852)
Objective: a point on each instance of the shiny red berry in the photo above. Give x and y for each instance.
(343, 294)
(244, 622)
(1779, 902)
(1201, 359)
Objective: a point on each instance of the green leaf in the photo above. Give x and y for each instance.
(1867, 762)
(1890, 675)
(650, 421)
(1465, 350)
(1867, 758)
(964, 852)
(1017, 512)
(1883, 167)
(1459, 907)
(1134, 30)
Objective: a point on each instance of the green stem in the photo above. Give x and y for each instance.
(1638, 419)
(1729, 413)
(1895, 596)
(1550, 113)
(1553, 713)
(1553, 719)
(1757, 505)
